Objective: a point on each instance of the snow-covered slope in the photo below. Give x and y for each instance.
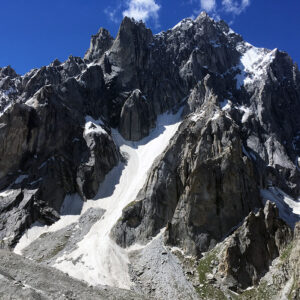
(98, 260)
(253, 64)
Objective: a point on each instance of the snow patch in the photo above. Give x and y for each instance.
(185, 24)
(29, 236)
(6, 193)
(225, 104)
(70, 207)
(195, 117)
(289, 208)
(93, 125)
(138, 246)
(253, 63)
(215, 116)
(298, 163)
(247, 112)
(7, 106)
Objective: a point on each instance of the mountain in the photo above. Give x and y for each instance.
(165, 164)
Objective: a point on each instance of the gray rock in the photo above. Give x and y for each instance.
(21, 278)
(193, 183)
(156, 272)
(249, 252)
(137, 117)
(100, 43)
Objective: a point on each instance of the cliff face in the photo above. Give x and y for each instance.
(238, 144)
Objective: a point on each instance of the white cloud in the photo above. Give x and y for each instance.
(235, 7)
(208, 5)
(142, 9)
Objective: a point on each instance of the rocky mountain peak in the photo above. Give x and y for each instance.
(203, 15)
(167, 143)
(8, 71)
(100, 43)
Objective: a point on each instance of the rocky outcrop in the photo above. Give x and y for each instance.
(100, 43)
(137, 117)
(193, 183)
(294, 265)
(130, 52)
(46, 148)
(103, 154)
(249, 252)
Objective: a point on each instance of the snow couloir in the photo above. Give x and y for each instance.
(97, 258)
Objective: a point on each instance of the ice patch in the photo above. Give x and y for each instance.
(43, 165)
(215, 43)
(10, 91)
(246, 152)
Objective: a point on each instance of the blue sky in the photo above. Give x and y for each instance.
(35, 32)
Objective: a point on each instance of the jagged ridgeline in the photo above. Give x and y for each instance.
(167, 164)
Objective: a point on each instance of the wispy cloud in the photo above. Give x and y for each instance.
(142, 10)
(112, 14)
(208, 5)
(235, 7)
(217, 8)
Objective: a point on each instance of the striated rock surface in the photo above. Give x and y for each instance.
(193, 183)
(100, 43)
(137, 117)
(249, 252)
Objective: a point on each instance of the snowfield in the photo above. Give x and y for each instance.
(98, 259)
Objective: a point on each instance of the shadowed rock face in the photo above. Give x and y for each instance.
(137, 117)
